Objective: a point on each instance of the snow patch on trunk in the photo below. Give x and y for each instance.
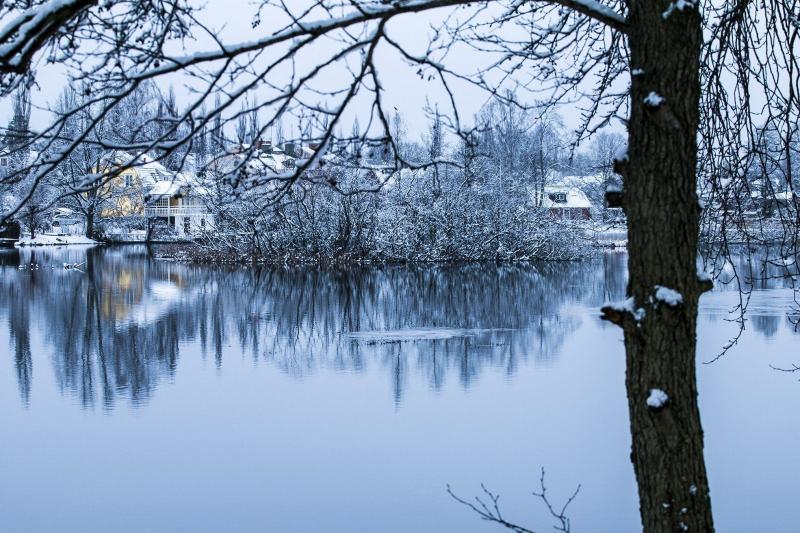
(671, 297)
(654, 99)
(680, 5)
(657, 399)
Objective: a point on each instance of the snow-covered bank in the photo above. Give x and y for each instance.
(610, 236)
(54, 240)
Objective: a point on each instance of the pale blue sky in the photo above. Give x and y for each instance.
(231, 20)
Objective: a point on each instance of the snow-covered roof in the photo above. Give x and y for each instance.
(150, 170)
(63, 212)
(785, 195)
(577, 180)
(307, 152)
(65, 215)
(180, 184)
(558, 197)
(278, 162)
(165, 188)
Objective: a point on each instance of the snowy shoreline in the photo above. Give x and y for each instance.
(190, 253)
(55, 240)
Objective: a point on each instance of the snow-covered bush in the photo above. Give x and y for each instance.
(408, 220)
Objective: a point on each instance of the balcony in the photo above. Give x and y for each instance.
(166, 212)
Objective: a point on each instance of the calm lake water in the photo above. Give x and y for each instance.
(141, 395)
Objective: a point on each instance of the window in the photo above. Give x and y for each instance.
(558, 197)
(162, 202)
(128, 180)
(187, 225)
(203, 224)
(3, 161)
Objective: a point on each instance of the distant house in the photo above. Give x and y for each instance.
(181, 204)
(769, 202)
(567, 203)
(127, 190)
(65, 221)
(5, 160)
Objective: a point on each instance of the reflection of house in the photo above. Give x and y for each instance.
(567, 203)
(181, 204)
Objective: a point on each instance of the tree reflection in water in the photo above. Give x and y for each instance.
(114, 329)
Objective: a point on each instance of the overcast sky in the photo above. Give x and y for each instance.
(232, 22)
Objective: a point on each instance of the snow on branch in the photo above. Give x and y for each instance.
(597, 11)
(134, 46)
(617, 312)
(23, 36)
(363, 13)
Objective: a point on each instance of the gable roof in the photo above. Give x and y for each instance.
(148, 169)
(573, 196)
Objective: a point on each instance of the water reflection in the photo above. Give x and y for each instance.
(762, 284)
(115, 323)
(113, 320)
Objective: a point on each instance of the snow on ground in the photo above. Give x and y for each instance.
(657, 398)
(54, 240)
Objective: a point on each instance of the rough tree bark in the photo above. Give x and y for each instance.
(31, 217)
(660, 200)
(89, 222)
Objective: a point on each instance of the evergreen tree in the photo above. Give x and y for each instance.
(18, 128)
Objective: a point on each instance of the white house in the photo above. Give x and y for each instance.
(65, 221)
(181, 203)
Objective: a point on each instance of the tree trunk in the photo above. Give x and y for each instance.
(90, 223)
(660, 199)
(32, 222)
